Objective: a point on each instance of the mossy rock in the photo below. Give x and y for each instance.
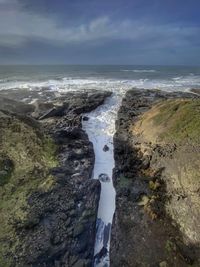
(176, 121)
(26, 157)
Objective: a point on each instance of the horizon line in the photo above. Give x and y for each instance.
(89, 64)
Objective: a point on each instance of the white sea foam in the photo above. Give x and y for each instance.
(177, 78)
(71, 83)
(100, 128)
(141, 71)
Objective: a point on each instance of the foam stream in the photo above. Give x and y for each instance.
(100, 128)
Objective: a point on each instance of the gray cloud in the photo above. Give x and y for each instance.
(19, 27)
(27, 36)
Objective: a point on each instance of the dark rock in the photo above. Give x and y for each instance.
(54, 112)
(13, 106)
(74, 103)
(49, 228)
(78, 229)
(82, 263)
(82, 102)
(102, 254)
(103, 177)
(106, 148)
(85, 118)
(107, 230)
(69, 132)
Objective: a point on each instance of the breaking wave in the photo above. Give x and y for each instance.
(141, 71)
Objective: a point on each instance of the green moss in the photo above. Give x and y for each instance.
(179, 120)
(26, 157)
(49, 152)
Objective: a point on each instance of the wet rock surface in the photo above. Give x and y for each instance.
(104, 234)
(106, 148)
(103, 177)
(157, 204)
(49, 201)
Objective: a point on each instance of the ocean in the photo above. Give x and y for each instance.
(73, 77)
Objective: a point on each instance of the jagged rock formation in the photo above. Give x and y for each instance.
(157, 180)
(48, 201)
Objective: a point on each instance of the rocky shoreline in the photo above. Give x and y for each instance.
(156, 177)
(48, 200)
(49, 203)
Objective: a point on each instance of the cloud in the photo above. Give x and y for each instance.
(5, 1)
(18, 27)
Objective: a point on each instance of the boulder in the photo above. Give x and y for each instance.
(106, 148)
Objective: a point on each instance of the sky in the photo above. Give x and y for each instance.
(136, 32)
